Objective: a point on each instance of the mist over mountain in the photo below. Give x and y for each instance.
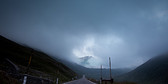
(154, 71)
(128, 31)
(94, 73)
(75, 37)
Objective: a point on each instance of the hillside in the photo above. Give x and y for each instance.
(41, 65)
(94, 72)
(154, 71)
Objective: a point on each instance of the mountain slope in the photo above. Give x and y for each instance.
(154, 71)
(41, 65)
(94, 72)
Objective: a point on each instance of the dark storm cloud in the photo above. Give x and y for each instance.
(130, 32)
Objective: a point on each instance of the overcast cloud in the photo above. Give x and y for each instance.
(128, 31)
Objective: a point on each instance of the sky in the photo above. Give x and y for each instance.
(88, 32)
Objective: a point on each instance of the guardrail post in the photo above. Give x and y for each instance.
(25, 79)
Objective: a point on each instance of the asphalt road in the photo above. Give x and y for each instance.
(80, 81)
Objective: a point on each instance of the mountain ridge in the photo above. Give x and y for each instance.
(94, 72)
(42, 65)
(154, 71)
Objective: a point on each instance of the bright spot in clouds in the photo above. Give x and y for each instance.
(86, 49)
(105, 45)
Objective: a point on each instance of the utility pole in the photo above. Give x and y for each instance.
(111, 79)
(101, 74)
(110, 67)
(107, 80)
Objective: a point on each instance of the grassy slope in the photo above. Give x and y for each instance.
(41, 63)
(153, 71)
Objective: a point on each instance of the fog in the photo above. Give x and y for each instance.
(87, 32)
